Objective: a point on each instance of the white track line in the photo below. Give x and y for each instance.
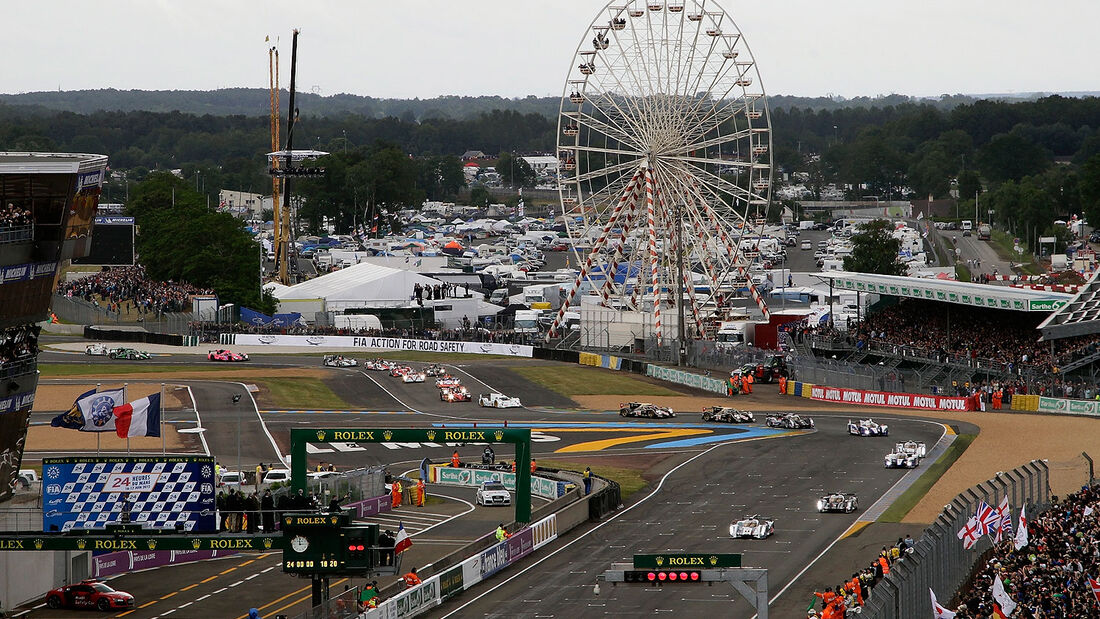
(402, 402)
(263, 425)
(195, 406)
(611, 519)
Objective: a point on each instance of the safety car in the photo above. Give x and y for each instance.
(645, 409)
(413, 376)
(129, 354)
(497, 400)
(97, 349)
(457, 393)
(435, 370)
(447, 381)
(492, 493)
(753, 527)
(789, 421)
(89, 593)
(225, 355)
(378, 365)
(867, 427)
(906, 455)
(837, 502)
(339, 361)
(727, 415)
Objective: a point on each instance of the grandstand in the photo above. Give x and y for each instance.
(49, 201)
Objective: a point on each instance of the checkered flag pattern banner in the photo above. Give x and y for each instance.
(160, 493)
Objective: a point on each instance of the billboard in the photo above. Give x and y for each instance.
(112, 242)
(85, 493)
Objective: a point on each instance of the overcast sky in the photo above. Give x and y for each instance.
(422, 48)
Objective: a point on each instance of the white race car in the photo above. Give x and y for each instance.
(493, 493)
(906, 455)
(867, 427)
(414, 377)
(497, 400)
(753, 527)
(339, 361)
(447, 381)
(97, 349)
(435, 370)
(837, 502)
(378, 365)
(644, 409)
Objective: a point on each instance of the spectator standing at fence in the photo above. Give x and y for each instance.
(267, 505)
(411, 579)
(386, 541)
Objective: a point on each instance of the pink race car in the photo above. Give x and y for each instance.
(225, 355)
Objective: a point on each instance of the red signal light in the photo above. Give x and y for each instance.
(662, 575)
(684, 576)
(651, 576)
(695, 575)
(360, 547)
(672, 575)
(352, 547)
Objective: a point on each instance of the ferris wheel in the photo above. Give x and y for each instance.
(664, 147)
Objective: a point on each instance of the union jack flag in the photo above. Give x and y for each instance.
(988, 519)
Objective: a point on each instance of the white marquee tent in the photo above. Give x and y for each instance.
(362, 285)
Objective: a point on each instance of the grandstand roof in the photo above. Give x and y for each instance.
(50, 163)
(950, 291)
(1080, 316)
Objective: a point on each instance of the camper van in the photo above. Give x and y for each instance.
(967, 227)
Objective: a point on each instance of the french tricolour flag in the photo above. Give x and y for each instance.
(402, 542)
(139, 418)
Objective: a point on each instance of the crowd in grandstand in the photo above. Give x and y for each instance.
(1049, 576)
(12, 216)
(124, 289)
(18, 343)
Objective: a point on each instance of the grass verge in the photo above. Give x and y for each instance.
(111, 369)
(909, 498)
(576, 380)
(961, 272)
(629, 480)
(298, 393)
(1002, 244)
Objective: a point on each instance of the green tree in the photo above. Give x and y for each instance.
(1089, 185)
(969, 184)
(479, 195)
(514, 171)
(180, 239)
(1011, 157)
(875, 250)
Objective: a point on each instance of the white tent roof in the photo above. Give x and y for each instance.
(360, 282)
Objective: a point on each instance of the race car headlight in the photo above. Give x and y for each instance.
(820, 504)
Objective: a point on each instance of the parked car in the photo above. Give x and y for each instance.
(277, 475)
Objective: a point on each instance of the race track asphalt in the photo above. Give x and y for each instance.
(710, 482)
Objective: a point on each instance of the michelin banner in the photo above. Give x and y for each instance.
(382, 343)
(540, 486)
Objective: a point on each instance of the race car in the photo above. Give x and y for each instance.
(769, 371)
(225, 355)
(906, 455)
(789, 421)
(497, 400)
(89, 594)
(413, 377)
(398, 371)
(447, 381)
(837, 502)
(378, 365)
(130, 354)
(339, 361)
(726, 414)
(867, 427)
(434, 370)
(97, 349)
(644, 409)
(458, 393)
(753, 527)
(492, 493)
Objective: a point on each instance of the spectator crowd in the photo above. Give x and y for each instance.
(12, 216)
(851, 594)
(18, 344)
(123, 289)
(1048, 578)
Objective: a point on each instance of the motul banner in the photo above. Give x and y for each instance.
(897, 400)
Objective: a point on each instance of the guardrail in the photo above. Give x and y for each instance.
(939, 561)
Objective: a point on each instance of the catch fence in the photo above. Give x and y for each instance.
(938, 561)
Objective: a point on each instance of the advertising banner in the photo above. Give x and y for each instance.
(1072, 407)
(883, 398)
(157, 492)
(113, 563)
(383, 343)
(450, 583)
(494, 559)
(686, 378)
(520, 544)
(540, 486)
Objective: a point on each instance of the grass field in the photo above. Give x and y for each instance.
(577, 380)
(299, 393)
(109, 369)
(1002, 244)
(909, 498)
(629, 480)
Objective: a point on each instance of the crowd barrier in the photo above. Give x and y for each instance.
(688, 379)
(458, 578)
(113, 563)
(610, 362)
(939, 561)
(540, 486)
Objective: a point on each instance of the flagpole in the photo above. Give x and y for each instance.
(124, 401)
(163, 444)
(97, 385)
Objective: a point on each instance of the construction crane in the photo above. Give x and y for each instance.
(278, 243)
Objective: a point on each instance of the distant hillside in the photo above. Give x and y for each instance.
(254, 102)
